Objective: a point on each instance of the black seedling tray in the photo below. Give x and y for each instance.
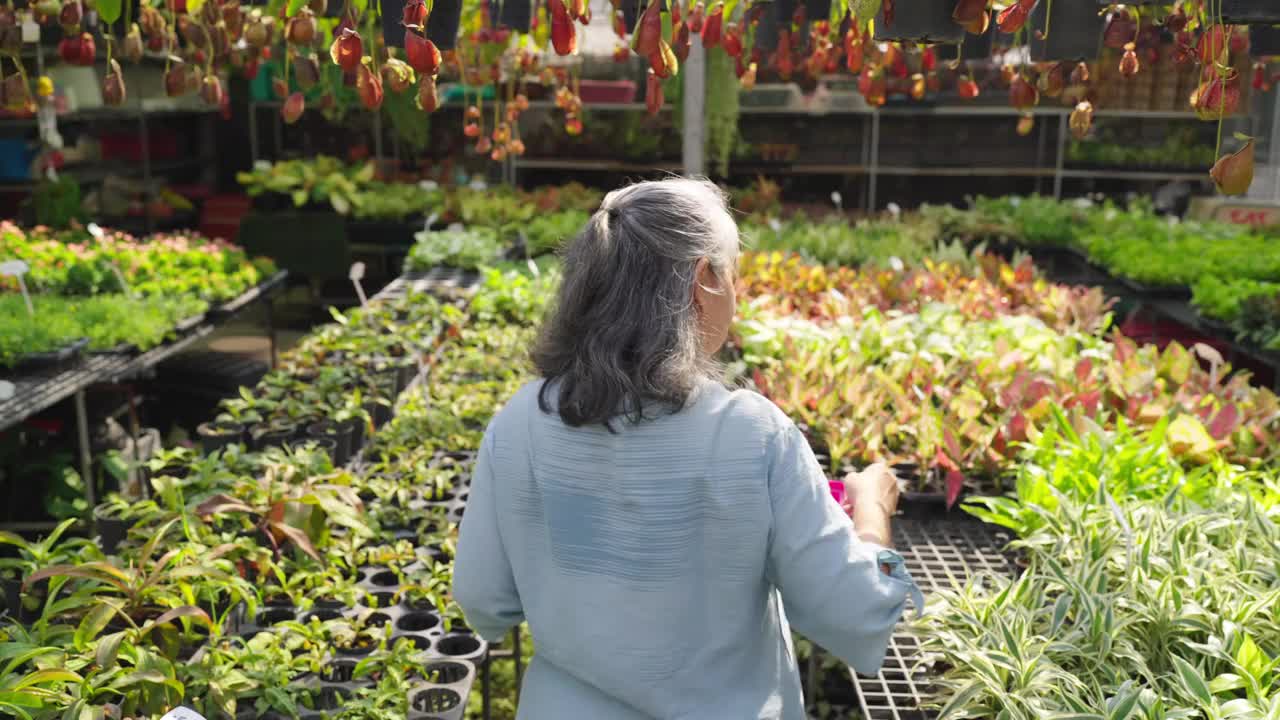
(939, 551)
(62, 357)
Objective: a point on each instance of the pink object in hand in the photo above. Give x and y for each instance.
(837, 490)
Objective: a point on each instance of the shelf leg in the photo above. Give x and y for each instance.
(271, 329)
(811, 682)
(486, 688)
(873, 166)
(86, 462)
(1061, 156)
(694, 77)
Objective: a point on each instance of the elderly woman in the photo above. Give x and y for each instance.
(659, 532)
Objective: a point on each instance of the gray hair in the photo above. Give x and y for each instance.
(624, 334)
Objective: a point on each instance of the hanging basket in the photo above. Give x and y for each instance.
(442, 24)
(974, 47)
(1264, 41)
(631, 12)
(516, 14)
(1250, 12)
(927, 21)
(392, 12)
(1075, 31)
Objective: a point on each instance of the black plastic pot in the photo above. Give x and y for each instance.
(1250, 12)
(54, 359)
(405, 373)
(12, 595)
(111, 530)
(274, 436)
(340, 432)
(516, 14)
(217, 435)
(1264, 41)
(1075, 32)
(926, 21)
(973, 47)
(328, 445)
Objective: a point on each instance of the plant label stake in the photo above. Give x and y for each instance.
(30, 29)
(838, 200)
(18, 268)
(356, 274)
(895, 211)
(776, 224)
(124, 284)
(183, 713)
(431, 220)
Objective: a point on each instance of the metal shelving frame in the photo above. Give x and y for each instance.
(38, 391)
(941, 551)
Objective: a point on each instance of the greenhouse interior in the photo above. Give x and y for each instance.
(271, 270)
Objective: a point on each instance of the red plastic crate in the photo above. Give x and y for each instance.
(607, 91)
(221, 215)
(128, 146)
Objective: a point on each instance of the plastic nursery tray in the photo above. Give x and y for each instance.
(1160, 292)
(940, 551)
(233, 306)
(62, 357)
(449, 657)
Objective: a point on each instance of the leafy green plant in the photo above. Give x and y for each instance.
(467, 249)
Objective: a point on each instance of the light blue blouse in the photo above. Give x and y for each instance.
(649, 563)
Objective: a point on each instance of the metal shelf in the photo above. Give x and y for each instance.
(940, 552)
(1151, 175)
(594, 165)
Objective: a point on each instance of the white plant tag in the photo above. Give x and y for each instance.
(96, 231)
(30, 29)
(838, 200)
(478, 185)
(18, 268)
(429, 185)
(7, 390)
(356, 274)
(895, 211)
(533, 267)
(431, 220)
(183, 713)
(124, 284)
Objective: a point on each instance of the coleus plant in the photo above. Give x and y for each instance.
(953, 388)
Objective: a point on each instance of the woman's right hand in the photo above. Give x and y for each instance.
(872, 496)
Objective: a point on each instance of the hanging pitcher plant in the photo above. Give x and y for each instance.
(405, 46)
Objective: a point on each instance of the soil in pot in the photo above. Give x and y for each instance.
(339, 671)
(417, 622)
(274, 436)
(377, 619)
(362, 644)
(274, 615)
(436, 700)
(419, 642)
(329, 604)
(385, 578)
(458, 645)
(443, 672)
(322, 615)
(217, 435)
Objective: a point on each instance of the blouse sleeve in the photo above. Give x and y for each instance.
(832, 588)
(483, 583)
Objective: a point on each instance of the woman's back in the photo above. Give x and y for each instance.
(643, 558)
(649, 523)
